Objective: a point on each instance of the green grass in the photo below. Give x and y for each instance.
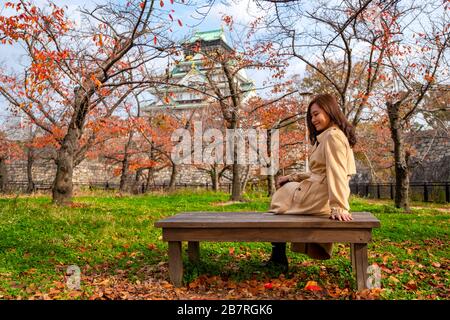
(107, 234)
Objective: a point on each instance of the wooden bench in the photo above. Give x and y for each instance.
(195, 227)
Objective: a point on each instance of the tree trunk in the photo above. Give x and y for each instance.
(149, 177)
(236, 183)
(270, 178)
(236, 191)
(215, 178)
(173, 177)
(30, 160)
(62, 189)
(400, 158)
(3, 175)
(124, 175)
(246, 177)
(270, 185)
(137, 187)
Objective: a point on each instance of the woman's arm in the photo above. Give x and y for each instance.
(299, 176)
(337, 178)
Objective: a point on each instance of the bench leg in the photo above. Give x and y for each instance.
(194, 251)
(175, 263)
(359, 258)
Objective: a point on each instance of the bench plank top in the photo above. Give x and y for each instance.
(202, 219)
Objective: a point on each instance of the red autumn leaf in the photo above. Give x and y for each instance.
(428, 77)
(231, 251)
(155, 39)
(268, 285)
(170, 16)
(97, 82)
(161, 3)
(180, 23)
(142, 5)
(312, 286)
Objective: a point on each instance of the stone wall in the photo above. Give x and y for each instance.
(87, 173)
(432, 161)
(92, 173)
(434, 167)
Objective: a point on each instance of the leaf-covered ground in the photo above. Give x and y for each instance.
(120, 254)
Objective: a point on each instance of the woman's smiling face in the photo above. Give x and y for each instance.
(319, 118)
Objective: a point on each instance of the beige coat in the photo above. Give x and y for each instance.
(325, 188)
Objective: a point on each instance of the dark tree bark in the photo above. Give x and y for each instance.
(30, 160)
(125, 169)
(400, 158)
(62, 190)
(173, 177)
(3, 175)
(236, 191)
(246, 176)
(270, 185)
(215, 178)
(270, 178)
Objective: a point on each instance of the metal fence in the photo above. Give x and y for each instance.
(21, 186)
(438, 192)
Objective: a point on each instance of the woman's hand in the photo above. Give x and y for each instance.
(281, 181)
(341, 215)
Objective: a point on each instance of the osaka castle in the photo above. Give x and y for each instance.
(191, 84)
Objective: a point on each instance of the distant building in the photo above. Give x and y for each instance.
(191, 72)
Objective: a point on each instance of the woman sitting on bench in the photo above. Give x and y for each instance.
(324, 190)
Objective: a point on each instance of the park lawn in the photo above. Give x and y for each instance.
(121, 255)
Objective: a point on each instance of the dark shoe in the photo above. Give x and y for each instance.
(272, 264)
(278, 258)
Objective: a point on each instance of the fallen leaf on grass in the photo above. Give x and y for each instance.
(436, 264)
(268, 285)
(411, 285)
(393, 279)
(312, 286)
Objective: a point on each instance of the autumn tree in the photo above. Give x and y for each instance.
(437, 109)
(343, 44)
(75, 73)
(418, 60)
(389, 51)
(287, 115)
(375, 149)
(220, 82)
(212, 129)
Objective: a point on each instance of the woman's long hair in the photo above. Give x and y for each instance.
(329, 104)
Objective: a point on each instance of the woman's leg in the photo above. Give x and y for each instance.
(320, 251)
